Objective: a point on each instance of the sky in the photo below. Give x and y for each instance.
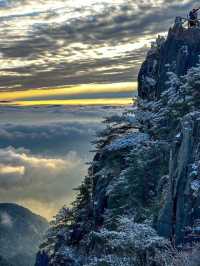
(64, 66)
(64, 44)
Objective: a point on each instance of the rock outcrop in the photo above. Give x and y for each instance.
(178, 53)
(142, 192)
(182, 205)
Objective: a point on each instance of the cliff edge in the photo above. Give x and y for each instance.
(179, 52)
(140, 200)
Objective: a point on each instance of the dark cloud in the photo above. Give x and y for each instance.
(49, 138)
(55, 130)
(51, 131)
(79, 72)
(59, 48)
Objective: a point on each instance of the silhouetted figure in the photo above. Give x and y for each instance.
(193, 17)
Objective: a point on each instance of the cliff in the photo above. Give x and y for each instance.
(140, 200)
(178, 53)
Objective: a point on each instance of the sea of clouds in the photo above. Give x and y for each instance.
(43, 153)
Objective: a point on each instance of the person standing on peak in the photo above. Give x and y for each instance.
(193, 17)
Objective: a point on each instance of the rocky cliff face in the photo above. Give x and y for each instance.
(182, 204)
(178, 53)
(142, 192)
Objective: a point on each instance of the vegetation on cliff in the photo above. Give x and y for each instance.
(140, 200)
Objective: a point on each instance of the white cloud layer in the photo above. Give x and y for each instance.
(19, 168)
(43, 151)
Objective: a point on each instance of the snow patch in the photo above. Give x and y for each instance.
(128, 140)
(195, 185)
(6, 219)
(150, 81)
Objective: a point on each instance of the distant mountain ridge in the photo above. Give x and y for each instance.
(21, 232)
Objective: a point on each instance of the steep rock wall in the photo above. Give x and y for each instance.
(178, 53)
(181, 209)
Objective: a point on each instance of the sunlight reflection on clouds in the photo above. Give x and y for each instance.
(59, 43)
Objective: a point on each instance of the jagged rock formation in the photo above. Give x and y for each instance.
(20, 235)
(178, 53)
(181, 208)
(142, 192)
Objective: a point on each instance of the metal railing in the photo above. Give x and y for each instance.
(190, 23)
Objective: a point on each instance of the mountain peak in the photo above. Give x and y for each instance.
(178, 52)
(183, 32)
